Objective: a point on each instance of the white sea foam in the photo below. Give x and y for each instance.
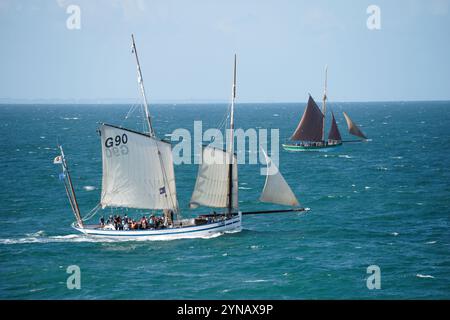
(394, 234)
(346, 156)
(257, 280)
(71, 118)
(89, 188)
(40, 237)
(424, 276)
(245, 188)
(430, 242)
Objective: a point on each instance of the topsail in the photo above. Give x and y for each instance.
(134, 175)
(353, 128)
(311, 125)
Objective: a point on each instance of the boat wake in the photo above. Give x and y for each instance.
(41, 237)
(36, 238)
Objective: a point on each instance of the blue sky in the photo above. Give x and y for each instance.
(186, 50)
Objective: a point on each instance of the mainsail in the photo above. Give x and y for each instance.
(334, 133)
(212, 185)
(137, 170)
(311, 125)
(276, 190)
(353, 128)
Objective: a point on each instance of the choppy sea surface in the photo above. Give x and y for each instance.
(385, 202)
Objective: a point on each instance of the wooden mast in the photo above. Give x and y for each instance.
(324, 106)
(141, 86)
(150, 126)
(231, 142)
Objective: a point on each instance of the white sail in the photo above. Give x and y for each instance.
(276, 190)
(134, 175)
(212, 185)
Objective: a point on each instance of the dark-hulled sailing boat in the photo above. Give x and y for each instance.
(310, 132)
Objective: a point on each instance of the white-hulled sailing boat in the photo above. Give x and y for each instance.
(138, 173)
(310, 132)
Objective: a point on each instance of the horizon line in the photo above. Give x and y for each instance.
(182, 102)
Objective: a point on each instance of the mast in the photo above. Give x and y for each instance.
(149, 119)
(231, 141)
(324, 106)
(141, 86)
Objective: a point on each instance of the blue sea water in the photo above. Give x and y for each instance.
(385, 202)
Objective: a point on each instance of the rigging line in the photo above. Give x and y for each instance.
(225, 118)
(166, 181)
(92, 213)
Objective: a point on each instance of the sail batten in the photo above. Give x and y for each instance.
(310, 127)
(353, 128)
(137, 170)
(212, 184)
(276, 190)
(334, 133)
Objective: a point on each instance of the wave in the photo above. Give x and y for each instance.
(346, 156)
(257, 280)
(89, 188)
(245, 188)
(70, 118)
(424, 276)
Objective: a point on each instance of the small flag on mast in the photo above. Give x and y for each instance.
(57, 160)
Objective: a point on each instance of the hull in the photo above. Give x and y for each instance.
(300, 148)
(200, 231)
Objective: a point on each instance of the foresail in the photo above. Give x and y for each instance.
(134, 175)
(353, 128)
(211, 187)
(311, 124)
(276, 190)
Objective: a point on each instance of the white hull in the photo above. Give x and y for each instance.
(201, 231)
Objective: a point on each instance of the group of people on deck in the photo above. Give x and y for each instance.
(126, 223)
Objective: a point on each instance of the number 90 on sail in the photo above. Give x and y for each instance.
(116, 146)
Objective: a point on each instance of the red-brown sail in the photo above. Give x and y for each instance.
(334, 133)
(353, 128)
(311, 124)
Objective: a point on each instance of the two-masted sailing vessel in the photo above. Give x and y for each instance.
(138, 173)
(310, 132)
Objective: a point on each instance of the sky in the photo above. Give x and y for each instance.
(186, 50)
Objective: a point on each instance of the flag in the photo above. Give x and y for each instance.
(162, 190)
(57, 160)
(62, 176)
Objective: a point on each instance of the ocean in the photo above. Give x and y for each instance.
(384, 202)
